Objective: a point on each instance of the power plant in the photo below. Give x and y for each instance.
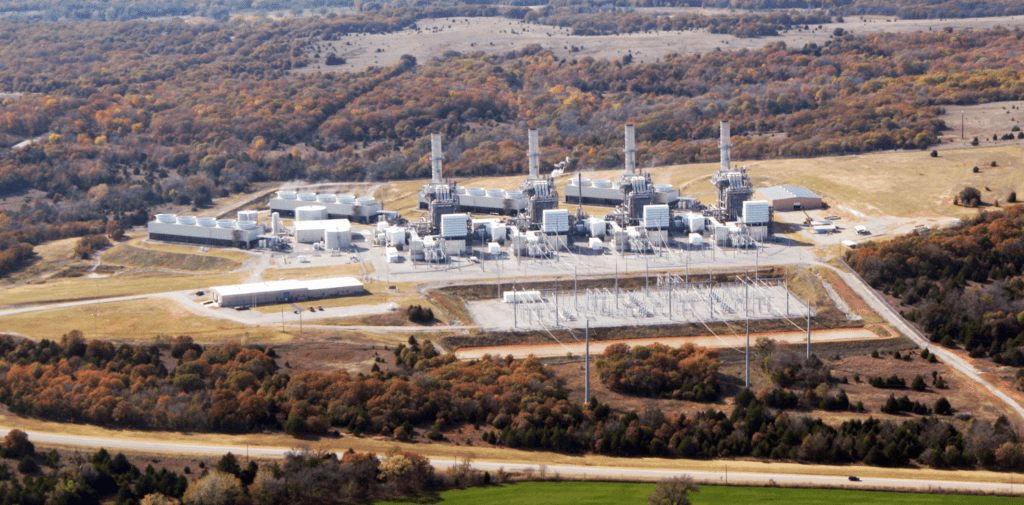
(732, 186)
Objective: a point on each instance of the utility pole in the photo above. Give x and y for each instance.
(808, 328)
(515, 306)
(616, 285)
(576, 289)
(746, 353)
(586, 365)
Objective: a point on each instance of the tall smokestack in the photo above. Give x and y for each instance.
(630, 150)
(435, 158)
(534, 155)
(724, 147)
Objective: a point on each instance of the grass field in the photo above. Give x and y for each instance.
(615, 493)
(138, 257)
(308, 273)
(138, 320)
(84, 288)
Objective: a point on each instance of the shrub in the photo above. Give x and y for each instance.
(1013, 195)
(420, 315)
(918, 383)
(970, 197)
(942, 407)
(935, 154)
(28, 465)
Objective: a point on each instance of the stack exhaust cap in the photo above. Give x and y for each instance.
(435, 158)
(724, 147)
(630, 150)
(534, 155)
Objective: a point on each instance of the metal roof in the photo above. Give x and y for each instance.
(784, 192)
(286, 285)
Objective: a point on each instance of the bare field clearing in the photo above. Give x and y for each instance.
(135, 320)
(300, 272)
(140, 239)
(730, 341)
(130, 284)
(433, 37)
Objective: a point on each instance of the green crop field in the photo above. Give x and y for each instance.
(614, 493)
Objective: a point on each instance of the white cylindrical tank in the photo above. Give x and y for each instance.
(286, 195)
(186, 220)
(207, 222)
(336, 239)
(275, 223)
(310, 213)
(326, 198)
(307, 197)
(166, 218)
(225, 223)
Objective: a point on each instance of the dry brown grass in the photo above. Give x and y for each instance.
(135, 320)
(83, 288)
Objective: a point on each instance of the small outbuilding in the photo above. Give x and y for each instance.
(785, 198)
(265, 293)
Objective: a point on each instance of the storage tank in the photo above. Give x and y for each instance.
(286, 195)
(275, 223)
(206, 222)
(310, 213)
(248, 215)
(225, 223)
(326, 198)
(336, 239)
(166, 218)
(307, 197)
(186, 220)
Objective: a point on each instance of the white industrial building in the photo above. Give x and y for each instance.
(785, 198)
(362, 209)
(264, 293)
(335, 233)
(205, 231)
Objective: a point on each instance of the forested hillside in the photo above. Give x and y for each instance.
(132, 115)
(964, 286)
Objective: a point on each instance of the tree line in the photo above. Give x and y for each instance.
(231, 388)
(963, 286)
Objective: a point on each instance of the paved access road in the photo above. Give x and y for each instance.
(576, 471)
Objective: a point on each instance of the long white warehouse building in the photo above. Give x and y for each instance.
(205, 231)
(263, 293)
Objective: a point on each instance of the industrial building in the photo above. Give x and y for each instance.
(534, 195)
(785, 198)
(206, 231)
(732, 186)
(325, 206)
(334, 233)
(631, 192)
(264, 293)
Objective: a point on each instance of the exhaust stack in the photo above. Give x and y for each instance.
(435, 158)
(534, 155)
(630, 150)
(724, 147)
